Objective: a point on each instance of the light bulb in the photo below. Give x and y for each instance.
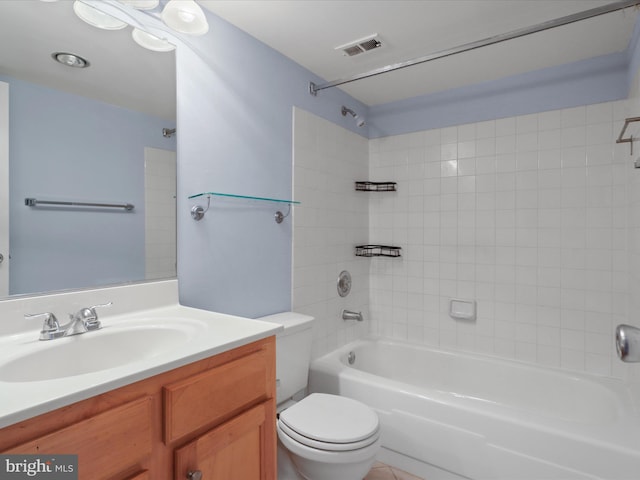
(151, 42)
(185, 16)
(141, 4)
(95, 17)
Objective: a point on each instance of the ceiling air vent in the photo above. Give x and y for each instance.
(360, 46)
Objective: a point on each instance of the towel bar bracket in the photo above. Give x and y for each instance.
(629, 140)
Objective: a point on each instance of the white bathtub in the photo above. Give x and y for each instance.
(448, 415)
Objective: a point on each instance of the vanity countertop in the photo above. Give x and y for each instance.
(204, 334)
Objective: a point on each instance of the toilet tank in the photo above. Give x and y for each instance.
(293, 352)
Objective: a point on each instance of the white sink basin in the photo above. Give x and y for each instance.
(39, 376)
(110, 347)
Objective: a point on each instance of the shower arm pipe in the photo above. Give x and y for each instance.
(522, 32)
(346, 110)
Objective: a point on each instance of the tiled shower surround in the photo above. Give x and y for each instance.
(330, 221)
(526, 215)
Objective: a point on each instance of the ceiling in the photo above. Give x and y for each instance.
(308, 32)
(31, 30)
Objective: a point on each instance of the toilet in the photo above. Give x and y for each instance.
(320, 436)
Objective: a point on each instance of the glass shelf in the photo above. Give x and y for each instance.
(198, 211)
(245, 197)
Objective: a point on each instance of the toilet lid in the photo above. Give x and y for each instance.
(330, 418)
(283, 430)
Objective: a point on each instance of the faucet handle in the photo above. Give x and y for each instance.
(50, 327)
(50, 319)
(101, 305)
(91, 317)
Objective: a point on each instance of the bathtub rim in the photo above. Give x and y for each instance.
(615, 384)
(605, 436)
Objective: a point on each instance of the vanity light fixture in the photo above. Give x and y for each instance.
(141, 4)
(70, 59)
(185, 16)
(95, 17)
(151, 42)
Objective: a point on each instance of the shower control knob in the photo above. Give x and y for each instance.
(194, 475)
(344, 283)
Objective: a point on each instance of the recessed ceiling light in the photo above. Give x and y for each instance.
(70, 59)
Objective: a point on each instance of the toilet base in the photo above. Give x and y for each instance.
(312, 464)
(286, 468)
(328, 471)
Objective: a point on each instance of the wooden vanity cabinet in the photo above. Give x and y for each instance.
(215, 416)
(237, 449)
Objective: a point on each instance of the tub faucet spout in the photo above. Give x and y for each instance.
(349, 315)
(628, 343)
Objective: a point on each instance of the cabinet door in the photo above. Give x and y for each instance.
(242, 448)
(140, 476)
(106, 444)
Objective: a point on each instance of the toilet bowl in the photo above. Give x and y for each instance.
(326, 437)
(330, 437)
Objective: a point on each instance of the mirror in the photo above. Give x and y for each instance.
(92, 135)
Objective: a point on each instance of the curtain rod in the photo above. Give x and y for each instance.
(521, 32)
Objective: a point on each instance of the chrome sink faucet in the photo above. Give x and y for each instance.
(84, 320)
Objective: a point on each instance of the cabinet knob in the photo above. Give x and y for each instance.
(195, 475)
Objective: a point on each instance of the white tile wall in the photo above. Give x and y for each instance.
(633, 218)
(160, 213)
(528, 216)
(533, 216)
(331, 220)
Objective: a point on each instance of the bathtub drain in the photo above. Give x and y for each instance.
(351, 358)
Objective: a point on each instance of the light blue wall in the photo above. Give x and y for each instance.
(66, 147)
(594, 80)
(633, 54)
(235, 99)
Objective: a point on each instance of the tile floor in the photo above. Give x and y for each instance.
(380, 471)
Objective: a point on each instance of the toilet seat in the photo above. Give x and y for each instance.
(328, 446)
(330, 423)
